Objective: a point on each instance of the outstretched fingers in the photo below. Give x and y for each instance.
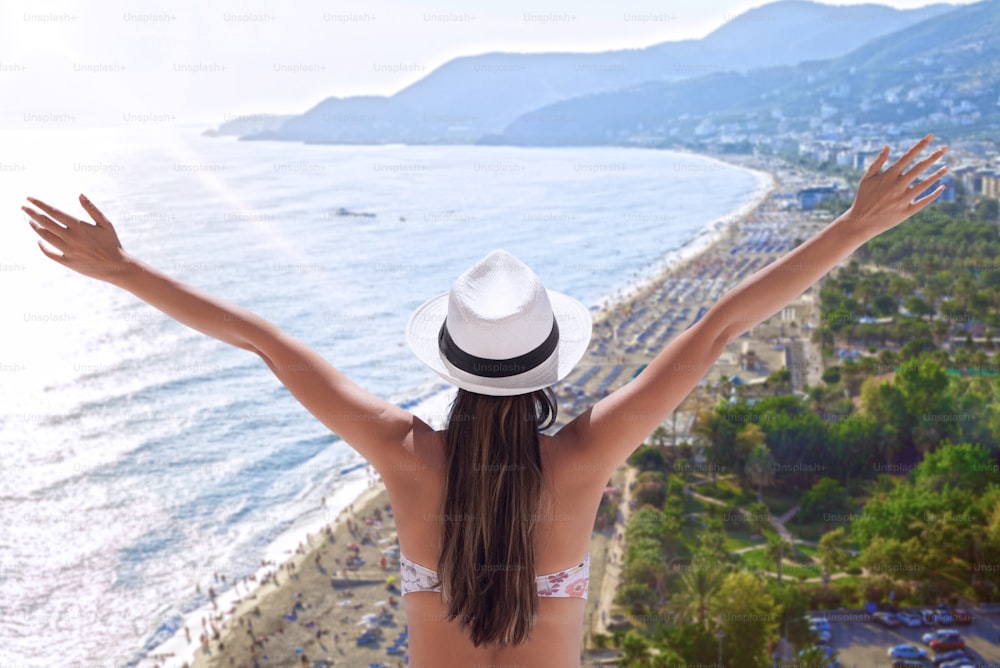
(919, 204)
(919, 168)
(923, 184)
(95, 213)
(40, 220)
(59, 215)
(912, 153)
(49, 237)
(876, 165)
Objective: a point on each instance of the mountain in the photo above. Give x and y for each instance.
(940, 75)
(249, 124)
(470, 96)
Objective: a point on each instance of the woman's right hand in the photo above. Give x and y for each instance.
(89, 249)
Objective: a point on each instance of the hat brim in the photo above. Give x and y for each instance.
(575, 328)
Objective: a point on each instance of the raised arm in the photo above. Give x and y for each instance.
(604, 435)
(377, 429)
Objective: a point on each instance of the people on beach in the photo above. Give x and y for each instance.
(480, 584)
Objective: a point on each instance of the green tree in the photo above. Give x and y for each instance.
(749, 617)
(776, 547)
(918, 306)
(882, 555)
(928, 405)
(634, 650)
(833, 554)
(719, 434)
(826, 498)
(693, 643)
(760, 466)
(854, 442)
(660, 436)
(648, 458)
(961, 465)
(780, 381)
(987, 209)
(650, 489)
(698, 586)
(637, 596)
(884, 404)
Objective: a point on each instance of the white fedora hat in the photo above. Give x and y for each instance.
(499, 331)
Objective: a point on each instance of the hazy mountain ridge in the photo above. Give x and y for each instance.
(942, 74)
(472, 96)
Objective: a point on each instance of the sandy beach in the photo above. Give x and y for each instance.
(311, 612)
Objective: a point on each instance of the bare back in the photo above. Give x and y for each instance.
(566, 522)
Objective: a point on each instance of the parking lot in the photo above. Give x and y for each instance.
(861, 642)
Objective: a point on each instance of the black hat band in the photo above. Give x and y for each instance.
(491, 368)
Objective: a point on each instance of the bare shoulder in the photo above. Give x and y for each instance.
(602, 437)
(574, 467)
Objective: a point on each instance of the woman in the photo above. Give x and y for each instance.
(494, 518)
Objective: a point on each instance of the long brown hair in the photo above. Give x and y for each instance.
(493, 492)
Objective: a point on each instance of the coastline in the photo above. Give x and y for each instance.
(715, 241)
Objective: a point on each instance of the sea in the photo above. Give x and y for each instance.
(142, 459)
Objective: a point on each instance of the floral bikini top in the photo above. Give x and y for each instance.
(568, 583)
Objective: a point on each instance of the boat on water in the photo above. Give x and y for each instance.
(341, 211)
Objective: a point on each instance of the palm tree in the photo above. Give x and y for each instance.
(699, 585)
(760, 466)
(634, 651)
(725, 386)
(776, 552)
(714, 430)
(760, 516)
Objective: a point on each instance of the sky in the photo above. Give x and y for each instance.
(102, 62)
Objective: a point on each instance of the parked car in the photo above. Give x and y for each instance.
(929, 617)
(961, 616)
(907, 652)
(821, 623)
(821, 628)
(943, 615)
(909, 619)
(834, 663)
(953, 655)
(961, 663)
(822, 637)
(932, 635)
(908, 664)
(945, 642)
(886, 619)
(618, 621)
